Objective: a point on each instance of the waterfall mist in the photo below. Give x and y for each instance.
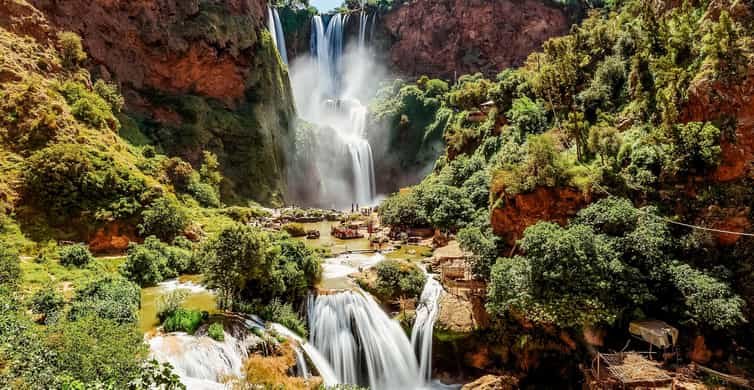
(334, 163)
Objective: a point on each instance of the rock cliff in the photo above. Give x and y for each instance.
(197, 75)
(455, 37)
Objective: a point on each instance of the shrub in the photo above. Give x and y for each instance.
(47, 302)
(76, 255)
(436, 88)
(529, 117)
(89, 107)
(283, 313)
(164, 218)
(155, 261)
(169, 303)
(66, 179)
(113, 298)
(110, 93)
(216, 331)
(184, 320)
(144, 265)
(71, 50)
(397, 278)
(204, 193)
(295, 229)
(10, 269)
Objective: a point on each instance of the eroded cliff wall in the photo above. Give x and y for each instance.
(197, 75)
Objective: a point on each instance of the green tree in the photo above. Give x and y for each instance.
(399, 279)
(528, 116)
(71, 50)
(236, 255)
(164, 218)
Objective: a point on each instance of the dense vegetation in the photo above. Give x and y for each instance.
(603, 113)
(74, 168)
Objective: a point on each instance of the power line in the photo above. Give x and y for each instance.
(670, 221)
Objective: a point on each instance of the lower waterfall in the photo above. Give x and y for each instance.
(365, 346)
(427, 310)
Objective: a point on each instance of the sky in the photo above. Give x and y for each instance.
(325, 5)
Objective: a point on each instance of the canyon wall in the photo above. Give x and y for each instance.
(444, 38)
(196, 75)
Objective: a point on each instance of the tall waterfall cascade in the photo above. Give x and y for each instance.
(329, 88)
(276, 30)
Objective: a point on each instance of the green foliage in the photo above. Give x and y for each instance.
(110, 298)
(89, 107)
(283, 313)
(541, 166)
(399, 279)
(164, 218)
(10, 270)
(68, 179)
(169, 303)
(527, 116)
(97, 350)
(483, 244)
(294, 229)
(696, 147)
(110, 93)
(47, 302)
(708, 300)
(76, 255)
(244, 263)
(184, 320)
(611, 260)
(216, 331)
(402, 209)
(238, 254)
(71, 50)
(155, 261)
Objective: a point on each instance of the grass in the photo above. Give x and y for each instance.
(410, 252)
(39, 275)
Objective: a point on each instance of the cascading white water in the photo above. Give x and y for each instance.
(363, 345)
(201, 362)
(329, 378)
(278, 35)
(426, 314)
(327, 91)
(276, 31)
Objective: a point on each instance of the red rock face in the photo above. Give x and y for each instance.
(164, 45)
(447, 37)
(711, 100)
(113, 238)
(542, 204)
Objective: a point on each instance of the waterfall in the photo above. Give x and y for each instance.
(363, 21)
(280, 37)
(426, 314)
(276, 30)
(329, 378)
(363, 345)
(202, 362)
(330, 100)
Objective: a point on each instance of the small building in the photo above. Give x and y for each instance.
(655, 332)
